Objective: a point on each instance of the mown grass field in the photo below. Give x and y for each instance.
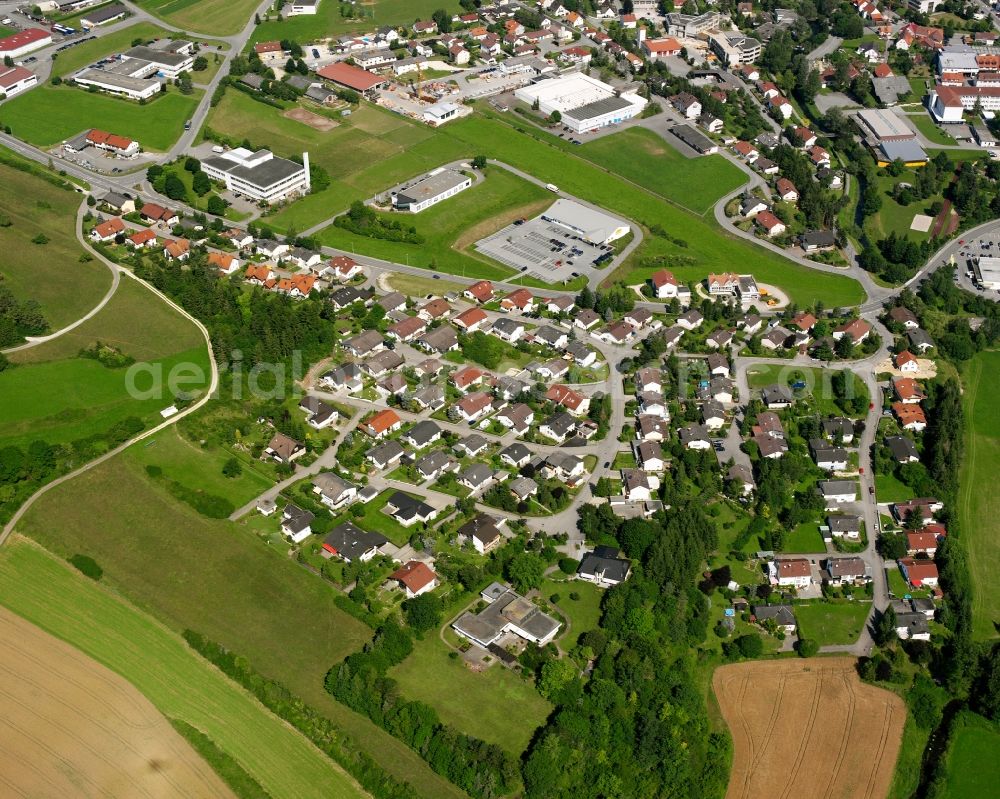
(642, 156)
(50, 114)
(979, 508)
(218, 17)
(218, 578)
(451, 228)
(828, 623)
(583, 613)
(197, 467)
(496, 705)
(173, 677)
(374, 149)
(81, 55)
(51, 274)
(58, 397)
(328, 22)
(973, 770)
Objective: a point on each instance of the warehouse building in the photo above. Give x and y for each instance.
(259, 176)
(103, 15)
(588, 223)
(14, 80)
(986, 272)
(880, 125)
(353, 78)
(585, 103)
(19, 44)
(429, 190)
(125, 79)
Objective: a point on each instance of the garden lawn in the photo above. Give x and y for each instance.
(70, 606)
(218, 17)
(932, 132)
(198, 468)
(979, 507)
(417, 286)
(51, 274)
(804, 539)
(452, 227)
(972, 767)
(49, 114)
(896, 218)
(583, 614)
(218, 578)
(81, 55)
(897, 585)
(496, 705)
(832, 623)
(642, 156)
(818, 383)
(889, 488)
(328, 21)
(375, 520)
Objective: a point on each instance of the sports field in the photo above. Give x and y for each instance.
(642, 156)
(155, 660)
(72, 725)
(450, 228)
(58, 397)
(217, 17)
(68, 110)
(329, 22)
(496, 705)
(218, 578)
(979, 509)
(808, 728)
(51, 273)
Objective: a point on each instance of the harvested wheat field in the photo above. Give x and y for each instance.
(69, 727)
(808, 729)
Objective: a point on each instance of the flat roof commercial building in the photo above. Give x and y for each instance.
(585, 103)
(114, 82)
(260, 176)
(587, 223)
(949, 103)
(429, 190)
(734, 48)
(167, 62)
(104, 15)
(882, 125)
(986, 272)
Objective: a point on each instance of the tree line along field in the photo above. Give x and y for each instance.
(219, 579)
(57, 396)
(328, 22)
(979, 508)
(808, 728)
(106, 733)
(50, 273)
(692, 247)
(181, 685)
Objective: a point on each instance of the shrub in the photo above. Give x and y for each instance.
(87, 566)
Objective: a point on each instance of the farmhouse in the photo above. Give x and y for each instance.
(429, 190)
(585, 103)
(260, 176)
(507, 612)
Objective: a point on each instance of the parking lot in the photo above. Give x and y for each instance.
(543, 250)
(986, 246)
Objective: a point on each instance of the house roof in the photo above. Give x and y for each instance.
(383, 420)
(482, 290)
(793, 567)
(565, 396)
(351, 542)
(361, 80)
(283, 446)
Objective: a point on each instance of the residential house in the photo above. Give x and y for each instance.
(558, 426)
(415, 578)
(837, 492)
(569, 399)
(919, 573)
(296, 523)
(284, 449)
(518, 417)
(351, 543)
(475, 477)
(474, 406)
(782, 615)
(664, 284)
(422, 434)
(382, 424)
(910, 417)
(604, 567)
(386, 455)
(846, 571)
(636, 486)
(483, 532)
(519, 300)
(509, 330)
(481, 291)
(334, 491)
(319, 415)
(790, 572)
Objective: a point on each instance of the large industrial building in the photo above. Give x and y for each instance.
(260, 176)
(22, 43)
(429, 190)
(949, 103)
(585, 103)
(141, 70)
(14, 80)
(588, 223)
(986, 272)
(890, 137)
